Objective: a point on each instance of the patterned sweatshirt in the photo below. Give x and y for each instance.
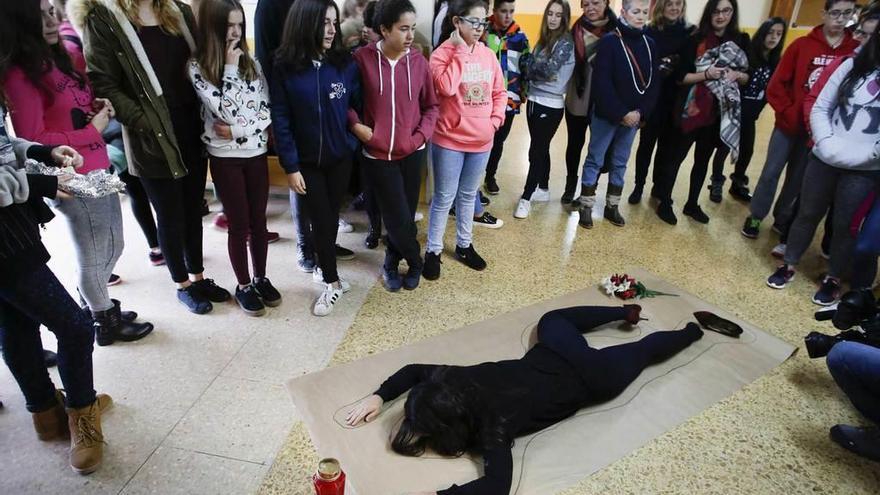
(241, 104)
(510, 47)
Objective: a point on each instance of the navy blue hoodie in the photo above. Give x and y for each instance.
(310, 114)
(617, 87)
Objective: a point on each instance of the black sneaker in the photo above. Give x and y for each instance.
(157, 259)
(305, 260)
(751, 227)
(716, 189)
(268, 293)
(194, 301)
(469, 257)
(864, 442)
(392, 279)
(431, 270)
(411, 279)
(452, 212)
(828, 293)
(249, 301)
(114, 280)
(372, 240)
(740, 192)
(488, 221)
(695, 212)
(344, 254)
(483, 199)
(781, 277)
(492, 186)
(212, 291)
(665, 212)
(635, 197)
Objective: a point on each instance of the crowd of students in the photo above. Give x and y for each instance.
(360, 98)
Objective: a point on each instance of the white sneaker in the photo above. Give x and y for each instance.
(318, 278)
(778, 251)
(327, 299)
(418, 217)
(541, 195)
(344, 227)
(522, 208)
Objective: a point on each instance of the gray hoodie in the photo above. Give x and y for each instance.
(548, 72)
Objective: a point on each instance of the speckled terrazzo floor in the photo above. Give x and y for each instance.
(769, 438)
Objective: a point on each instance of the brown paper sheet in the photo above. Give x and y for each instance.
(548, 461)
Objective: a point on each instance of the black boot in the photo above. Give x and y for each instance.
(715, 189)
(586, 202)
(127, 316)
(636, 196)
(739, 189)
(612, 201)
(109, 327)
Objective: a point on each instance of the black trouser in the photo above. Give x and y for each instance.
(657, 132)
(396, 185)
(498, 145)
(140, 206)
(543, 123)
(747, 134)
(705, 140)
(577, 136)
(371, 202)
(607, 372)
(325, 187)
(26, 302)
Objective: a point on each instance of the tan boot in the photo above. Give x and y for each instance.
(86, 438)
(51, 424)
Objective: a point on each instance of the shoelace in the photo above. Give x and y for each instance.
(86, 432)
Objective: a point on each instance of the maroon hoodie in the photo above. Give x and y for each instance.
(399, 102)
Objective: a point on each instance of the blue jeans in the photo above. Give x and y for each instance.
(604, 135)
(457, 176)
(866, 250)
(856, 369)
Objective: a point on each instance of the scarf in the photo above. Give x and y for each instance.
(586, 35)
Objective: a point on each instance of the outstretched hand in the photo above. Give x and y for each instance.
(365, 410)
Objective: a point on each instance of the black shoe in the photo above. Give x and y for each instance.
(711, 321)
(431, 270)
(635, 197)
(110, 328)
(492, 186)
(248, 300)
(483, 199)
(740, 192)
(194, 301)
(268, 293)
(412, 277)
(344, 254)
(751, 228)
(469, 257)
(566, 199)
(864, 442)
(664, 211)
(359, 203)
(695, 212)
(585, 216)
(212, 291)
(612, 214)
(372, 240)
(127, 316)
(50, 359)
(452, 212)
(205, 210)
(715, 191)
(114, 280)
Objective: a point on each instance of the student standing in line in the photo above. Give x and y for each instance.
(798, 70)
(670, 30)
(236, 119)
(470, 88)
(313, 89)
(511, 46)
(400, 108)
(708, 104)
(137, 53)
(764, 53)
(625, 90)
(548, 70)
(596, 21)
(52, 102)
(844, 167)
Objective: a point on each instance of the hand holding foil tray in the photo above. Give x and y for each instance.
(95, 184)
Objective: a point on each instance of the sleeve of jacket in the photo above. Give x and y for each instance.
(608, 104)
(264, 115)
(810, 98)
(836, 151)
(28, 116)
(106, 75)
(499, 98)
(354, 116)
(404, 379)
(497, 477)
(356, 100)
(446, 70)
(779, 89)
(235, 92)
(540, 68)
(14, 188)
(430, 109)
(42, 186)
(285, 141)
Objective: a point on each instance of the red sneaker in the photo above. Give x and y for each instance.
(221, 222)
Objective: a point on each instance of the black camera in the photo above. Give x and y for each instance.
(858, 318)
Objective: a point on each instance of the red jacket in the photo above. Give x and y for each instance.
(399, 103)
(820, 83)
(798, 70)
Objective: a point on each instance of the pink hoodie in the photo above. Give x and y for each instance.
(470, 87)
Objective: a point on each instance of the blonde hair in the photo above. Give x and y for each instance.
(659, 20)
(166, 13)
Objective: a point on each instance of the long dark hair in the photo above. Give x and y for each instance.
(864, 63)
(303, 36)
(387, 13)
(549, 37)
(449, 417)
(458, 8)
(705, 26)
(22, 45)
(211, 41)
(756, 48)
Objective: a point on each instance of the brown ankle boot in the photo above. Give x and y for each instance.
(51, 424)
(86, 438)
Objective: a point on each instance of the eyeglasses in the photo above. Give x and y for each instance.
(860, 33)
(725, 12)
(837, 14)
(476, 23)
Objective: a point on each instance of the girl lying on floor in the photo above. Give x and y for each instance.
(453, 410)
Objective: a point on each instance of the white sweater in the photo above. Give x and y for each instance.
(848, 136)
(243, 105)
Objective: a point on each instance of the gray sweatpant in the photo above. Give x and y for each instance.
(96, 230)
(822, 184)
(781, 151)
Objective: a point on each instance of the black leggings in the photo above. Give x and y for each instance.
(577, 137)
(607, 372)
(498, 145)
(543, 123)
(325, 186)
(140, 206)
